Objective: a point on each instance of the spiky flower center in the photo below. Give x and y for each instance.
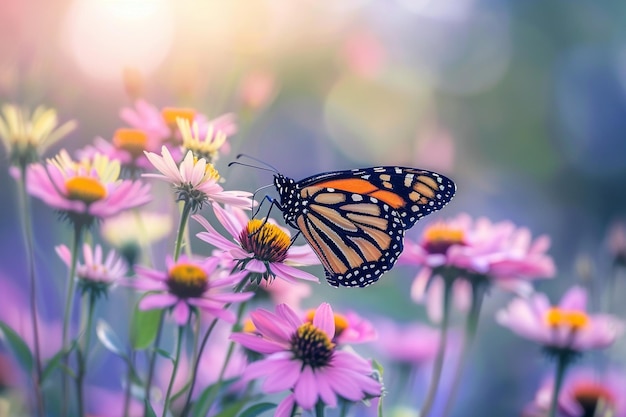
(85, 189)
(572, 319)
(268, 242)
(187, 280)
(312, 346)
(439, 237)
(341, 322)
(133, 141)
(170, 114)
(591, 395)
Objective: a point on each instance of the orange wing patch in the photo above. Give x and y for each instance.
(360, 186)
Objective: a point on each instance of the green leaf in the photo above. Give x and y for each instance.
(18, 346)
(202, 405)
(109, 339)
(55, 361)
(144, 327)
(233, 409)
(148, 410)
(257, 409)
(165, 354)
(378, 374)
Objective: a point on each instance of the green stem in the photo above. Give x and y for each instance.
(319, 409)
(229, 354)
(184, 216)
(562, 360)
(194, 374)
(438, 366)
(153, 356)
(179, 342)
(294, 410)
(83, 353)
(478, 295)
(27, 229)
(67, 314)
(127, 391)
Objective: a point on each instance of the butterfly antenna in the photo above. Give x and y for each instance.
(252, 166)
(243, 155)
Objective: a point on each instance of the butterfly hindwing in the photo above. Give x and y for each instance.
(355, 220)
(356, 241)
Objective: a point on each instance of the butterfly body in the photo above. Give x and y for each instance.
(355, 220)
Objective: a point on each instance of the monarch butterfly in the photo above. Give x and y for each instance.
(355, 220)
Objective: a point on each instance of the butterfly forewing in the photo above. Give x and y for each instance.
(355, 220)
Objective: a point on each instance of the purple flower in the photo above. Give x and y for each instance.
(349, 328)
(567, 326)
(498, 252)
(195, 180)
(85, 190)
(96, 274)
(411, 344)
(188, 284)
(301, 357)
(586, 393)
(259, 247)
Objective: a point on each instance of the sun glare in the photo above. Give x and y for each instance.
(105, 36)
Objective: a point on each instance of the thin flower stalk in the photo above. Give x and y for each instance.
(471, 325)
(30, 254)
(439, 359)
(562, 361)
(83, 352)
(179, 340)
(67, 312)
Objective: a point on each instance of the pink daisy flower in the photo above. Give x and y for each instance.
(411, 344)
(480, 250)
(349, 328)
(586, 392)
(301, 357)
(259, 247)
(96, 274)
(195, 180)
(565, 327)
(161, 124)
(86, 190)
(127, 146)
(186, 285)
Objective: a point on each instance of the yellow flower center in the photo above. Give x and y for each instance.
(574, 319)
(209, 171)
(170, 114)
(341, 322)
(312, 346)
(248, 326)
(85, 189)
(132, 141)
(266, 241)
(187, 280)
(439, 237)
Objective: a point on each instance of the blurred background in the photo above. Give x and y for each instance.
(522, 103)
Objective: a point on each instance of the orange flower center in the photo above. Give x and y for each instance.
(187, 280)
(170, 114)
(85, 189)
(439, 237)
(248, 326)
(312, 346)
(132, 141)
(574, 319)
(341, 322)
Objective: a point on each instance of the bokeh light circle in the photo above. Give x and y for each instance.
(106, 36)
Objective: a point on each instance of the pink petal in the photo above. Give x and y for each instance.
(284, 375)
(285, 408)
(153, 301)
(306, 389)
(327, 394)
(325, 320)
(271, 326)
(574, 299)
(289, 315)
(257, 343)
(286, 271)
(181, 313)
